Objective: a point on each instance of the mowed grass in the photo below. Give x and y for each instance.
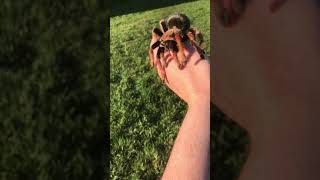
(145, 115)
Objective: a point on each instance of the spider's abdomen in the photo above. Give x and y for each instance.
(179, 20)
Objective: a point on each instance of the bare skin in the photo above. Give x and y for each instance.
(189, 158)
(266, 77)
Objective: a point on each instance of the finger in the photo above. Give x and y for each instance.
(154, 43)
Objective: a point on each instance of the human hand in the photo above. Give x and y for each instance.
(192, 83)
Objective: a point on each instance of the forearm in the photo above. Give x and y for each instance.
(189, 157)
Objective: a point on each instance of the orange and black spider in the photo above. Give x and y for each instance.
(172, 36)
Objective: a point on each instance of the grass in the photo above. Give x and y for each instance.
(145, 115)
(229, 144)
(51, 79)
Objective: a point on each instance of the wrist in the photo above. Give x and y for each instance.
(199, 100)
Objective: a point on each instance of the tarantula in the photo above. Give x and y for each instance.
(172, 36)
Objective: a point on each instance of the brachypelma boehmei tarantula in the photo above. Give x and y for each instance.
(172, 36)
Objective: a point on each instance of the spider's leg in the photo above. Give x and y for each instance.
(198, 37)
(193, 42)
(160, 56)
(175, 57)
(181, 48)
(157, 31)
(151, 48)
(172, 45)
(166, 60)
(155, 45)
(155, 42)
(151, 57)
(163, 26)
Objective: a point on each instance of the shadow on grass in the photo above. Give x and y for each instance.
(229, 146)
(123, 7)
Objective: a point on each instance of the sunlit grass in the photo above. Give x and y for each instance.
(145, 115)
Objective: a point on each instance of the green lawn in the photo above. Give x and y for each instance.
(228, 146)
(145, 115)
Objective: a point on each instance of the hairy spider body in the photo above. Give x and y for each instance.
(172, 36)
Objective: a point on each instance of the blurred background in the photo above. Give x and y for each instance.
(52, 85)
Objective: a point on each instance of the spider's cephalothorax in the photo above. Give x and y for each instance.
(172, 36)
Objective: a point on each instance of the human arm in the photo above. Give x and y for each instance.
(189, 158)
